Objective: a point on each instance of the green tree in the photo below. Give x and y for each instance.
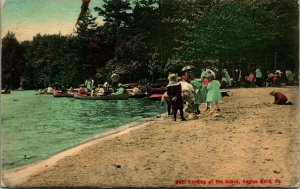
(282, 49)
(41, 55)
(86, 38)
(12, 63)
(229, 30)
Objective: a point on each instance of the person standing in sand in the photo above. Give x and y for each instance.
(198, 99)
(258, 77)
(188, 93)
(226, 78)
(175, 97)
(213, 93)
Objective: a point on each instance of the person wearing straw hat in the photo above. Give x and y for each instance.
(175, 97)
(100, 90)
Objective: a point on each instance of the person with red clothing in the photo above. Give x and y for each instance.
(276, 80)
(175, 96)
(251, 79)
(280, 98)
(82, 91)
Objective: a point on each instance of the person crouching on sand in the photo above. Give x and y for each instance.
(175, 97)
(280, 98)
(213, 93)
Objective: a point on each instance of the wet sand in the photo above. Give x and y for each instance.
(249, 140)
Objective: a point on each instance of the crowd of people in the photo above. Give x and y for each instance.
(185, 93)
(257, 78)
(89, 89)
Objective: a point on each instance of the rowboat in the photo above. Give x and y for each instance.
(157, 90)
(5, 92)
(138, 95)
(45, 92)
(62, 94)
(104, 97)
(155, 96)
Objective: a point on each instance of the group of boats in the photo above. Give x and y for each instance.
(152, 93)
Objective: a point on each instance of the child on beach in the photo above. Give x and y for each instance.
(280, 98)
(213, 93)
(198, 99)
(175, 97)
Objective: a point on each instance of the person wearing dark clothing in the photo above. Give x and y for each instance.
(237, 75)
(175, 96)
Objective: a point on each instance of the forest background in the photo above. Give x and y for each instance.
(144, 40)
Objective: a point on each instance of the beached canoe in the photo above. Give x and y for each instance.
(155, 97)
(158, 90)
(5, 92)
(104, 97)
(139, 95)
(45, 92)
(62, 94)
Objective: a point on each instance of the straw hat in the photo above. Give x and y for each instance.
(173, 79)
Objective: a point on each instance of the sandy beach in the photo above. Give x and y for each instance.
(251, 142)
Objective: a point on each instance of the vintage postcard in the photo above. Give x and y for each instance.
(149, 93)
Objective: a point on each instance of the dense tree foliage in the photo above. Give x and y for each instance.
(12, 62)
(146, 39)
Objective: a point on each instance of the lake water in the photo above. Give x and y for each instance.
(40, 125)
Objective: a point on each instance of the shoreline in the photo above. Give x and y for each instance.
(20, 174)
(250, 138)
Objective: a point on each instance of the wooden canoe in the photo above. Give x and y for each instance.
(5, 92)
(155, 97)
(158, 90)
(61, 94)
(139, 95)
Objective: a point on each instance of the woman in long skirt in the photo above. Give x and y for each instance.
(213, 93)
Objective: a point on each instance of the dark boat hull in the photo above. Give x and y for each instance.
(158, 90)
(142, 95)
(5, 92)
(105, 97)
